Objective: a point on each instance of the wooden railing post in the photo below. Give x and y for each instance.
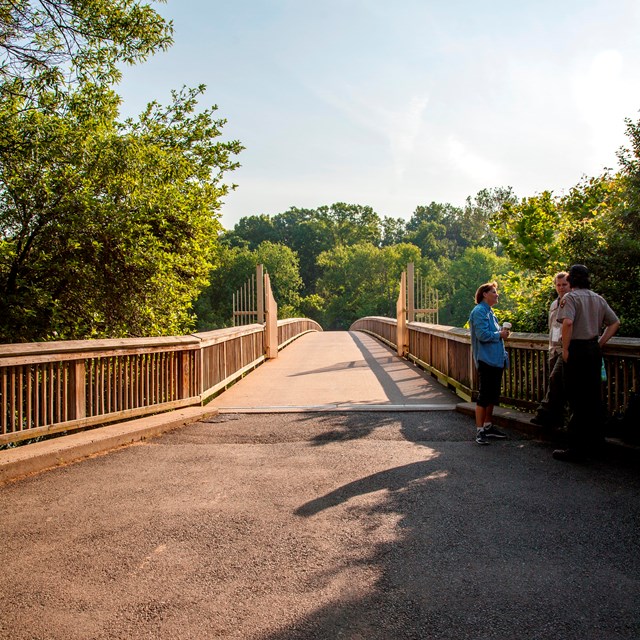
(411, 289)
(77, 395)
(184, 371)
(271, 326)
(402, 333)
(260, 293)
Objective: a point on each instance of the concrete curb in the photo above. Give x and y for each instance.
(519, 421)
(510, 418)
(39, 456)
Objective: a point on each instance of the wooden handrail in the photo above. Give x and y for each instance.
(50, 387)
(446, 353)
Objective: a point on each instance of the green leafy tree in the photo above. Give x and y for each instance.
(307, 233)
(362, 280)
(106, 227)
(529, 232)
(475, 219)
(49, 43)
(602, 230)
(351, 224)
(234, 266)
(284, 270)
(460, 278)
(251, 231)
(393, 231)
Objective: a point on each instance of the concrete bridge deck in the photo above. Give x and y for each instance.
(338, 370)
(324, 524)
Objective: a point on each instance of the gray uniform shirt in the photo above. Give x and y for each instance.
(589, 312)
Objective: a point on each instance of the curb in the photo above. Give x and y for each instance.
(519, 421)
(40, 456)
(509, 418)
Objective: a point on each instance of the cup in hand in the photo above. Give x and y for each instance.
(506, 325)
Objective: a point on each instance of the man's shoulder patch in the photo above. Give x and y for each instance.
(562, 302)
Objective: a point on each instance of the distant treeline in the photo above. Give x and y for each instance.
(341, 262)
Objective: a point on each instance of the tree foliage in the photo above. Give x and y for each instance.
(49, 43)
(106, 228)
(597, 223)
(361, 280)
(233, 267)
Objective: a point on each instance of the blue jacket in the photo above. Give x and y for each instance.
(486, 343)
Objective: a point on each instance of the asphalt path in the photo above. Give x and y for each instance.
(323, 525)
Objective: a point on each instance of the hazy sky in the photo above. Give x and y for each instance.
(398, 104)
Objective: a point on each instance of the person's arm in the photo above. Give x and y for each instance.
(484, 328)
(609, 332)
(567, 332)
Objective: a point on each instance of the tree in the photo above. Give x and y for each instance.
(251, 231)
(48, 43)
(393, 231)
(475, 219)
(436, 230)
(361, 280)
(601, 229)
(234, 266)
(106, 228)
(283, 268)
(307, 233)
(460, 279)
(351, 224)
(529, 232)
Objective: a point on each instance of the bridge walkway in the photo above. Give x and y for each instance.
(336, 371)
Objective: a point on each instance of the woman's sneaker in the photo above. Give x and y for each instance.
(481, 437)
(492, 432)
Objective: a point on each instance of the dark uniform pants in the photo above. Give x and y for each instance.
(584, 393)
(551, 408)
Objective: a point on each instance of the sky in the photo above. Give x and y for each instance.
(399, 104)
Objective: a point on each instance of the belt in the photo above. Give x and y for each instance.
(585, 341)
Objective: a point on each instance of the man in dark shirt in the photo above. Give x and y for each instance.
(583, 313)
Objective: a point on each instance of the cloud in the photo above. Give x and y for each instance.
(479, 168)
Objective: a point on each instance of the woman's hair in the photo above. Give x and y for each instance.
(483, 288)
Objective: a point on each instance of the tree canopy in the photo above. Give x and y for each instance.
(344, 250)
(47, 43)
(107, 227)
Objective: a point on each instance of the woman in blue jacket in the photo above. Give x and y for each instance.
(490, 358)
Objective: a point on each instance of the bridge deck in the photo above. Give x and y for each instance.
(336, 370)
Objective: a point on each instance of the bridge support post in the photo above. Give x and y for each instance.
(271, 326)
(402, 331)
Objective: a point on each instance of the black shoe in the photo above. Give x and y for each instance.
(569, 455)
(493, 432)
(481, 438)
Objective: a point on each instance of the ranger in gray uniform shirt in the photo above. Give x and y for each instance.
(550, 413)
(583, 313)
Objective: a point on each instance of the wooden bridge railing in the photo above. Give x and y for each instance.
(446, 353)
(50, 387)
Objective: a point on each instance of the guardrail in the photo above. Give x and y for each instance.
(446, 353)
(50, 387)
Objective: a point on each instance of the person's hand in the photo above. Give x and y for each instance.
(504, 333)
(565, 355)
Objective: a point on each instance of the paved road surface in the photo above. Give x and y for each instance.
(323, 526)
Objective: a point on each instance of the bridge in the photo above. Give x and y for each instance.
(331, 490)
